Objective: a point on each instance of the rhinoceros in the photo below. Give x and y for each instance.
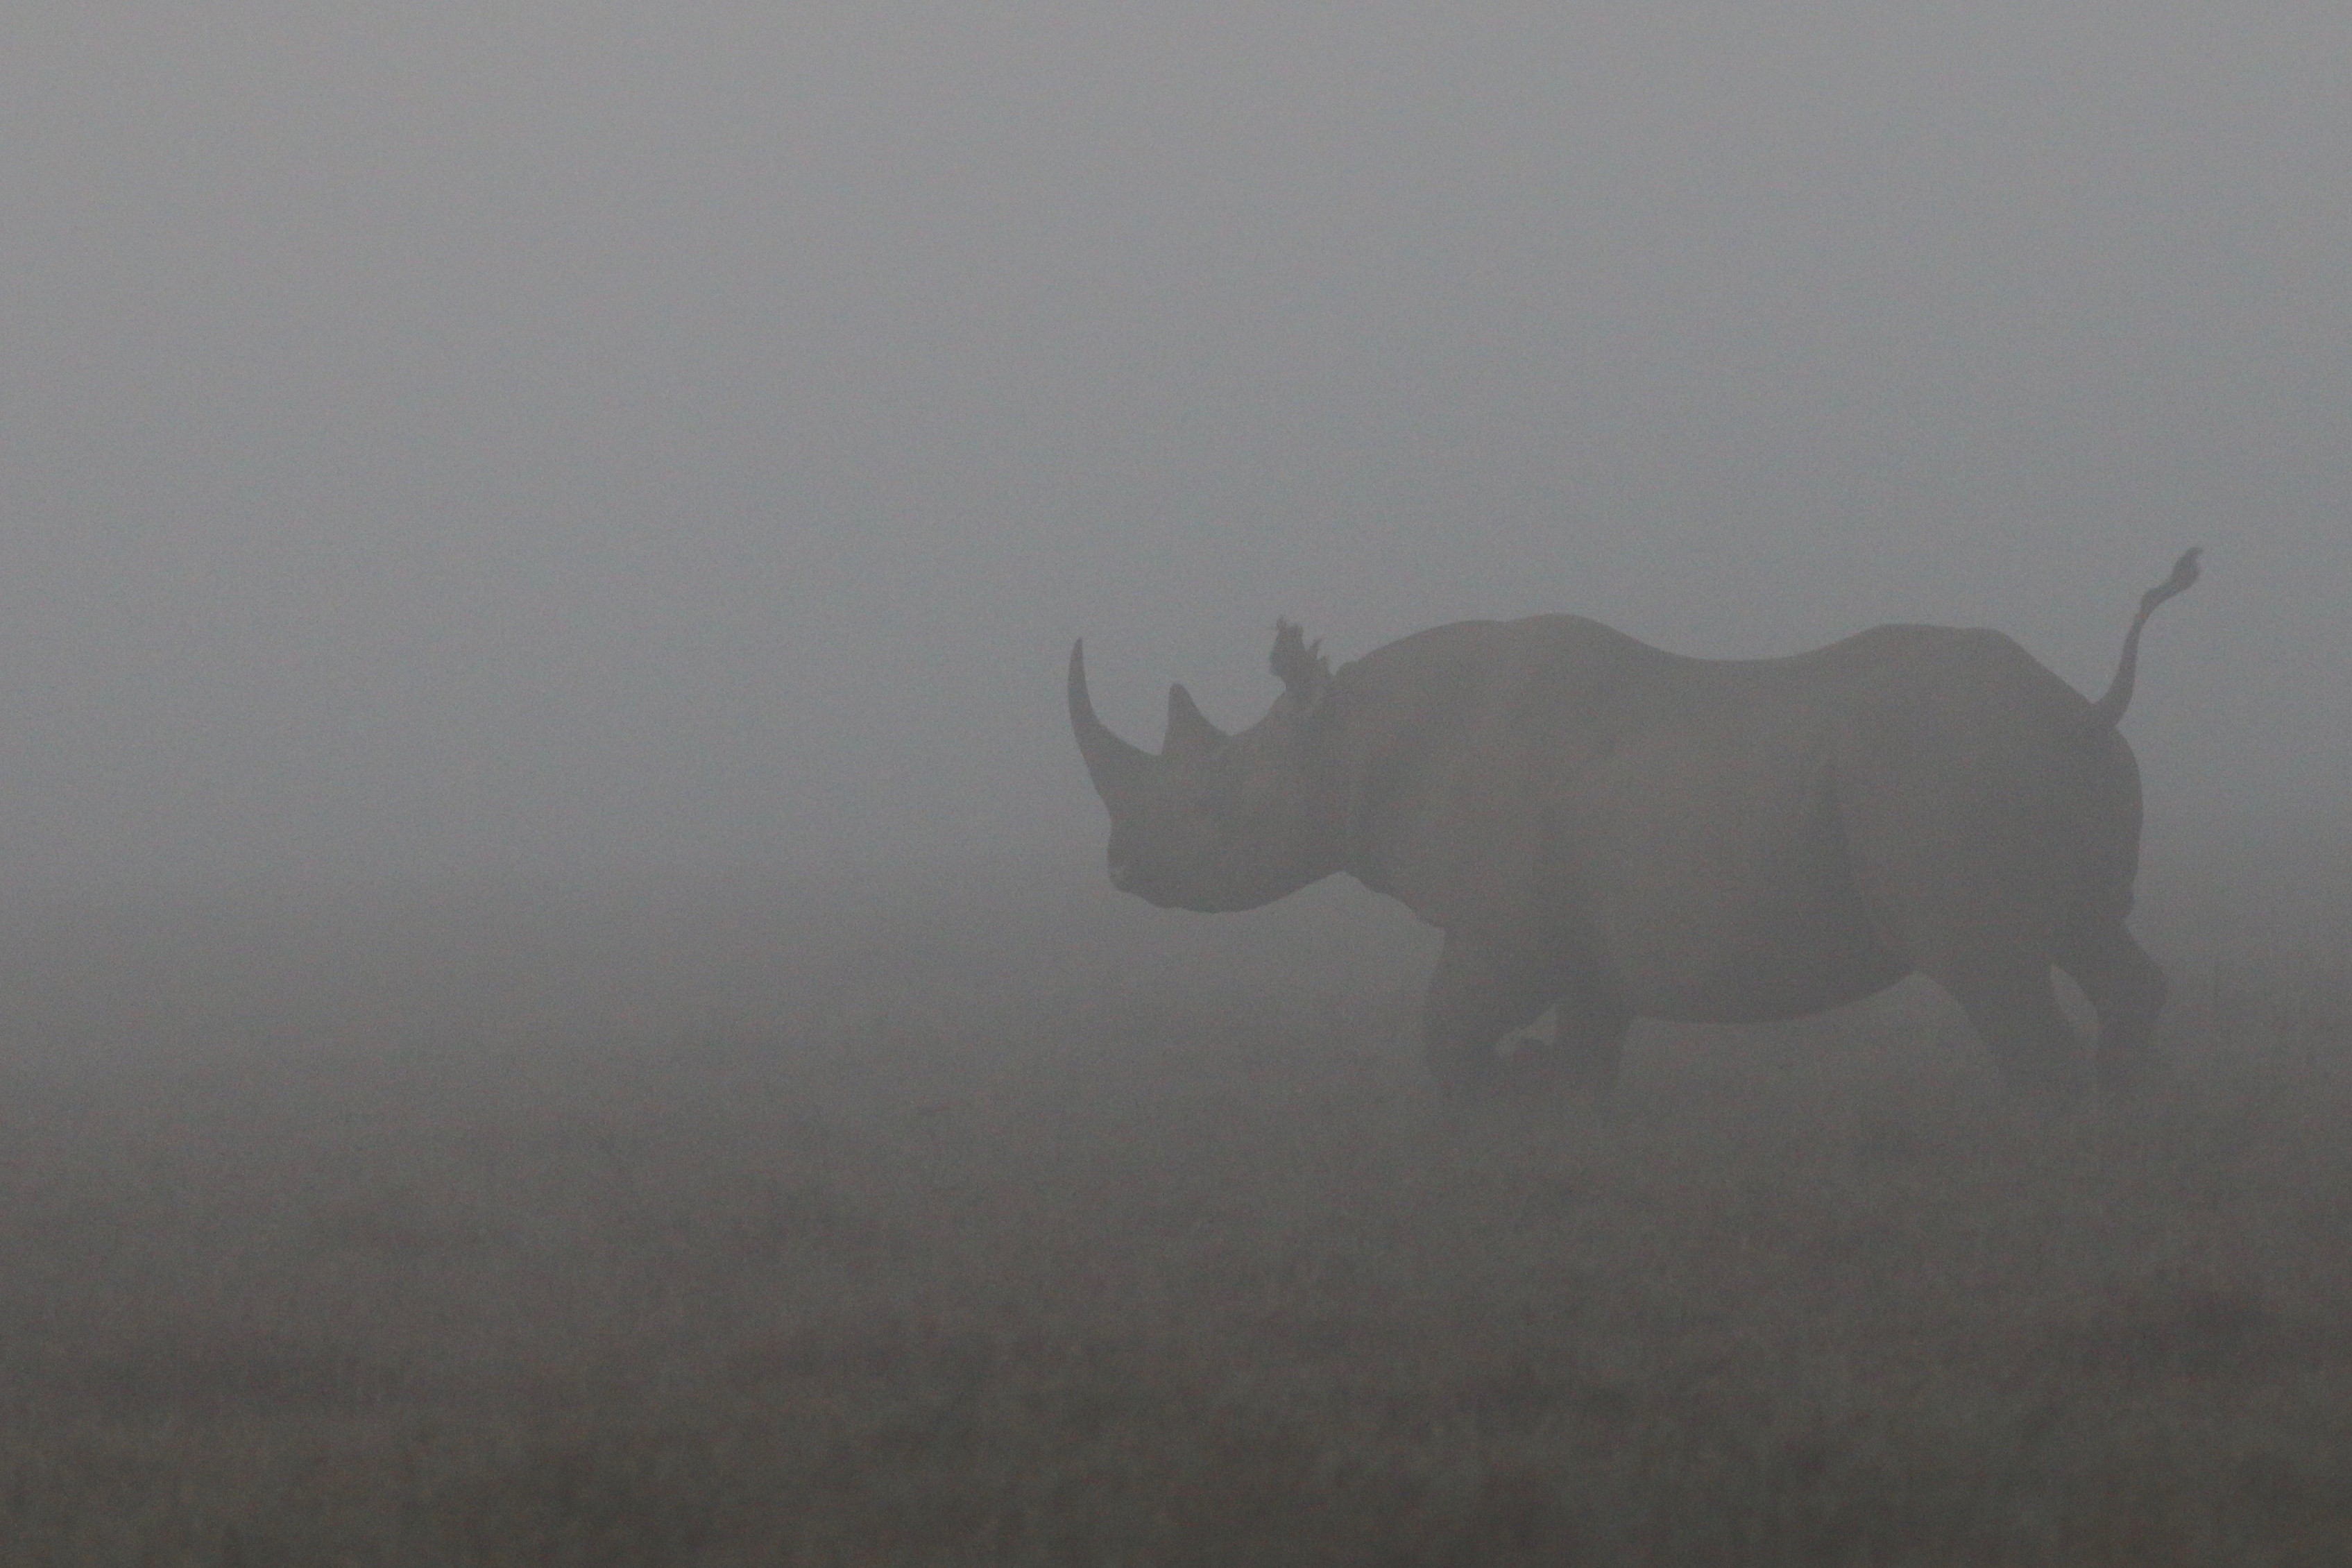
(1611, 832)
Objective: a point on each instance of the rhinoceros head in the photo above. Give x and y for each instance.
(1218, 821)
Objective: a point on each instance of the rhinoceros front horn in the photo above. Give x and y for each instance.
(1117, 767)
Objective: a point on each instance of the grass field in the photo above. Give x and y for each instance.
(528, 1236)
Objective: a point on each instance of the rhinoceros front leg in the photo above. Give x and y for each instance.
(1590, 1046)
(1477, 997)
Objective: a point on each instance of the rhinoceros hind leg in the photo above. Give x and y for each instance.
(2016, 1014)
(2127, 989)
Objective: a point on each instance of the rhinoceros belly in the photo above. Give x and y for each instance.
(1719, 890)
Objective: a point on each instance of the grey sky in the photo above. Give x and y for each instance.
(538, 437)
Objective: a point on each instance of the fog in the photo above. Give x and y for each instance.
(559, 995)
(541, 440)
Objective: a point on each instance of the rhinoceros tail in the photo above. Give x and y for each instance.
(2109, 708)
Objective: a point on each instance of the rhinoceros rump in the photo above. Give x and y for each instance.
(1619, 833)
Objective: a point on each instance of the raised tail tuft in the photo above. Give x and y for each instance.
(2108, 711)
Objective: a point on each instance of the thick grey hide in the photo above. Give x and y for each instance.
(1616, 832)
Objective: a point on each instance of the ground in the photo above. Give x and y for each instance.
(913, 1264)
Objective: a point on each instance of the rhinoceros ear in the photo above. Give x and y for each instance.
(1304, 672)
(1189, 734)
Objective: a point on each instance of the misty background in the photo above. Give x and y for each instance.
(559, 998)
(526, 440)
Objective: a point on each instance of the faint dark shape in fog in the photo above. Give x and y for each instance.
(1608, 832)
